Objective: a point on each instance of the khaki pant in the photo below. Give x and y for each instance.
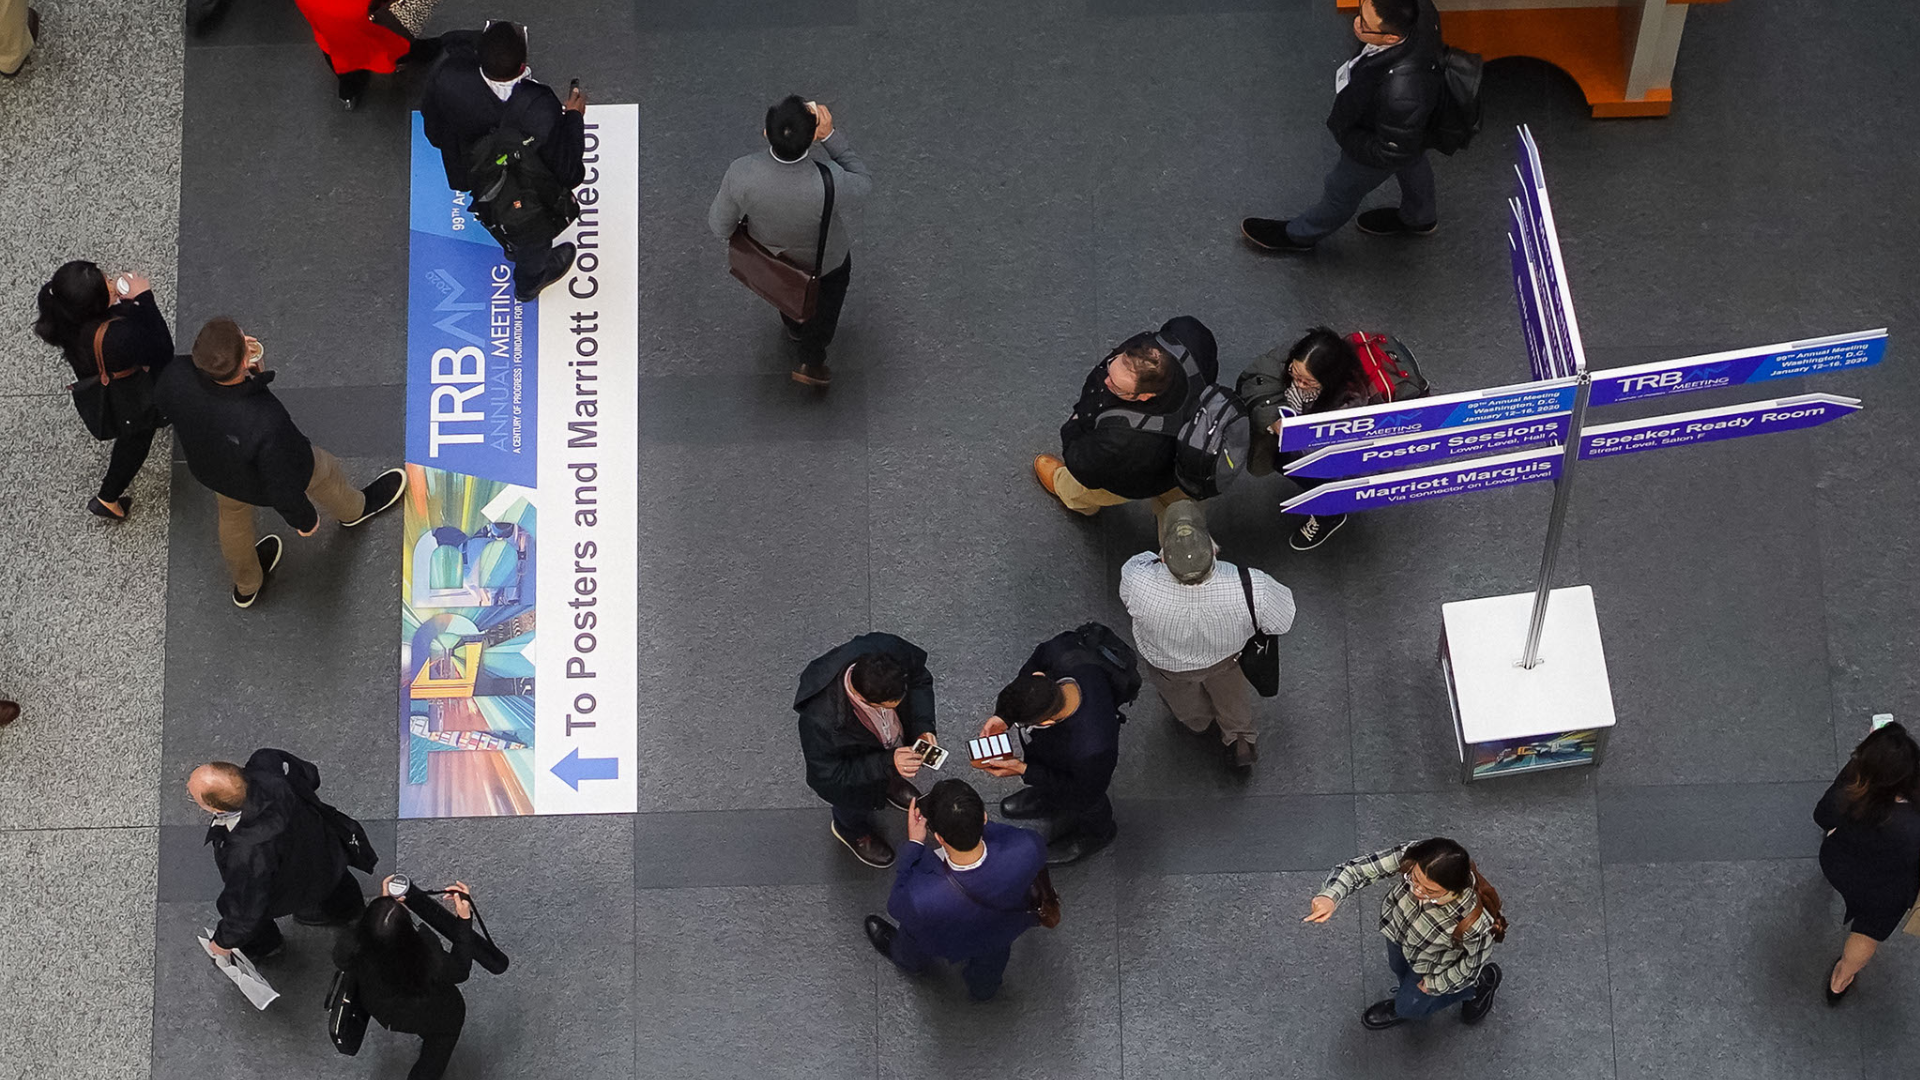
(329, 491)
(1082, 499)
(15, 42)
(1218, 694)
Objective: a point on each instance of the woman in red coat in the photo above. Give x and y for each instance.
(355, 44)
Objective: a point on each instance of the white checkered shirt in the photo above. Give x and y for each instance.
(1188, 627)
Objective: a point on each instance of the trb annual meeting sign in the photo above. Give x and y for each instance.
(519, 565)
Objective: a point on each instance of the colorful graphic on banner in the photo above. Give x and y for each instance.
(1713, 425)
(1516, 402)
(1372, 455)
(521, 451)
(1432, 482)
(1788, 360)
(1534, 753)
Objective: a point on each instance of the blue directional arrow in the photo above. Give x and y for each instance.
(573, 768)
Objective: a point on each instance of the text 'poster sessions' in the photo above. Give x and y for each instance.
(518, 572)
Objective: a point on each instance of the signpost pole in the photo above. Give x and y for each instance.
(1557, 520)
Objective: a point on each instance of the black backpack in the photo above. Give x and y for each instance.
(1213, 436)
(515, 195)
(1456, 120)
(1096, 644)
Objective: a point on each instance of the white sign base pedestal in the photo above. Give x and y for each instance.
(1508, 719)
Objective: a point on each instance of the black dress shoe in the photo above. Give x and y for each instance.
(1075, 848)
(1270, 234)
(1380, 1016)
(1025, 803)
(869, 849)
(901, 792)
(880, 932)
(1386, 222)
(1479, 1005)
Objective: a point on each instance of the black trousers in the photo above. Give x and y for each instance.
(435, 1052)
(1066, 820)
(816, 333)
(531, 265)
(343, 904)
(129, 453)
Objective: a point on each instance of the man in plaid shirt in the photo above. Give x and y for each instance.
(1441, 920)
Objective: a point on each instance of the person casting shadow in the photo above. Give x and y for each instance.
(1871, 852)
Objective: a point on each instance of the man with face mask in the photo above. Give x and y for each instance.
(277, 853)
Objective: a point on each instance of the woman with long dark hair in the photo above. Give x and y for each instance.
(406, 980)
(1322, 374)
(1871, 854)
(113, 322)
(1441, 919)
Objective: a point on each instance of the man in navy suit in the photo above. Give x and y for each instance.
(964, 899)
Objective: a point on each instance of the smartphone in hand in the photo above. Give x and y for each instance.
(931, 755)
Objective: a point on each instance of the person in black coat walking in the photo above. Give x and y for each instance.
(276, 853)
(861, 708)
(1871, 853)
(406, 980)
(1384, 99)
(83, 309)
(480, 81)
(1066, 707)
(239, 441)
(1120, 442)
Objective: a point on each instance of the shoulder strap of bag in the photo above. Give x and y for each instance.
(99, 349)
(826, 219)
(1246, 589)
(953, 879)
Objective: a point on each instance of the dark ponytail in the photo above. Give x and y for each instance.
(1448, 865)
(74, 298)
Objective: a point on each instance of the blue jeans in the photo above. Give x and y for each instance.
(981, 973)
(1350, 182)
(1408, 1002)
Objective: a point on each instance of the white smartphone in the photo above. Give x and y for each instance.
(931, 754)
(991, 746)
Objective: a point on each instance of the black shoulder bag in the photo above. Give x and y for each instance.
(1260, 656)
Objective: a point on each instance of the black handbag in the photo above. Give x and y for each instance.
(114, 403)
(1260, 656)
(346, 1016)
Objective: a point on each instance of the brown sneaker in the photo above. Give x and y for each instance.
(1044, 467)
(1244, 754)
(869, 849)
(813, 375)
(9, 712)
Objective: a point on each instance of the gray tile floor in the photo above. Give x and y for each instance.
(1051, 176)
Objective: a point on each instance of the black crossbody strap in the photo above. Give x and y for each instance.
(953, 879)
(1246, 589)
(826, 219)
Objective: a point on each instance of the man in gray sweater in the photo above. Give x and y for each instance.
(780, 195)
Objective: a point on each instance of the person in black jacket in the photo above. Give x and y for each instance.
(1383, 100)
(1120, 442)
(1066, 708)
(406, 980)
(74, 305)
(275, 851)
(1871, 853)
(861, 708)
(239, 441)
(480, 80)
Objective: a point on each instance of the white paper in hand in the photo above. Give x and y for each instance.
(237, 967)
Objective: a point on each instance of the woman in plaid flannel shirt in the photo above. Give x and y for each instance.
(1441, 919)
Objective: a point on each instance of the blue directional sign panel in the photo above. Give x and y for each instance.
(1546, 304)
(1432, 482)
(1712, 425)
(1522, 400)
(1373, 455)
(1838, 352)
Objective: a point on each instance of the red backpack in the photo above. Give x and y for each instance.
(1392, 374)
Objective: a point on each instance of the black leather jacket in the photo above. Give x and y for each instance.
(1381, 118)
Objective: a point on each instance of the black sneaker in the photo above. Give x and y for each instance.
(1315, 530)
(565, 253)
(268, 550)
(381, 495)
(1477, 1006)
(1386, 222)
(1270, 234)
(1381, 1015)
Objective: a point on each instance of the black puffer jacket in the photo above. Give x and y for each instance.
(846, 765)
(1131, 462)
(1381, 118)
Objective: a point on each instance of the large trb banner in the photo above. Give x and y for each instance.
(519, 570)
